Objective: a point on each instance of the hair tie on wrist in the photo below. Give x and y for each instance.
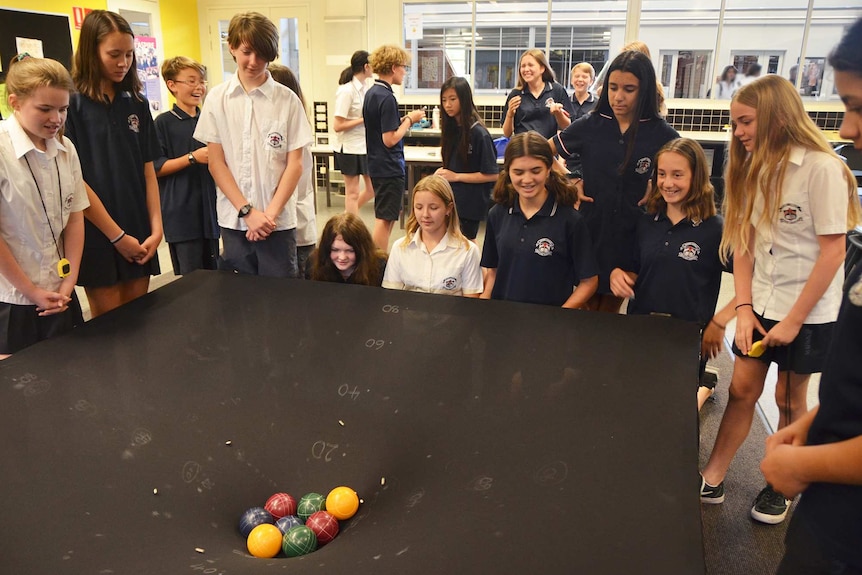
(118, 238)
(743, 305)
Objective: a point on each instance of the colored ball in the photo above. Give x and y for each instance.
(309, 504)
(324, 525)
(281, 504)
(288, 521)
(298, 541)
(264, 541)
(342, 502)
(252, 518)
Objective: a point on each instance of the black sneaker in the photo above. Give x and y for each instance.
(770, 506)
(712, 494)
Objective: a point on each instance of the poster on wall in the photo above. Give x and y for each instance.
(148, 70)
(32, 46)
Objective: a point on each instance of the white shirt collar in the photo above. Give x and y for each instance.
(21, 142)
(797, 154)
(266, 88)
(447, 242)
(359, 86)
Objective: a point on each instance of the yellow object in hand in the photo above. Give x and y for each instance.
(757, 349)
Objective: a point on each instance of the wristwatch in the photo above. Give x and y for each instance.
(244, 211)
(192, 159)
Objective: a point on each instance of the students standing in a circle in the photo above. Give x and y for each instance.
(350, 154)
(538, 102)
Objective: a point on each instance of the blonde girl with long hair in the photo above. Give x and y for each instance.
(789, 200)
(434, 256)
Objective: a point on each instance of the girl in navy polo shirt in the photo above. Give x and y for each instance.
(617, 143)
(469, 156)
(538, 102)
(537, 247)
(676, 269)
(110, 123)
(789, 202)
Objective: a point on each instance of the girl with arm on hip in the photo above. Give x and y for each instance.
(789, 201)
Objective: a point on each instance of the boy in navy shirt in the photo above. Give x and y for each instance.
(187, 191)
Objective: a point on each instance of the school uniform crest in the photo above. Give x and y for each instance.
(643, 166)
(134, 123)
(854, 294)
(450, 283)
(689, 251)
(544, 247)
(67, 203)
(790, 214)
(275, 140)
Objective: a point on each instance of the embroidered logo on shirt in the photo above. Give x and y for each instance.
(643, 165)
(275, 140)
(450, 283)
(689, 251)
(790, 214)
(544, 247)
(549, 102)
(854, 294)
(67, 203)
(134, 123)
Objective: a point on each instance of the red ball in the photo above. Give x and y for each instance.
(281, 504)
(324, 525)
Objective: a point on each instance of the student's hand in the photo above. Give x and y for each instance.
(712, 341)
(794, 434)
(746, 323)
(202, 155)
(259, 225)
(783, 333)
(49, 302)
(582, 197)
(622, 283)
(130, 248)
(447, 175)
(556, 108)
(415, 116)
(648, 191)
(781, 470)
(151, 244)
(514, 104)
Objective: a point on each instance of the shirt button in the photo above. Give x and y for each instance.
(622, 142)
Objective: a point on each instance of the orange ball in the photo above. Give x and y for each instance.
(342, 503)
(264, 541)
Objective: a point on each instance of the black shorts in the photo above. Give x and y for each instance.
(470, 228)
(806, 354)
(199, 254)
(351, 164)
(21, 326)
(388, 195)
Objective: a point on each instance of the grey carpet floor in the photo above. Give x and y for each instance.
(735, 544)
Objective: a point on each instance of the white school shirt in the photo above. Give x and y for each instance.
(23, 221)
(813, 202)
(306, 225)
(256, 131)
(451, 268)
(348, 105)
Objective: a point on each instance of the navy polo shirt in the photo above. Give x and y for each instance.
(472, 200)
(830, 510)
(533, 113)
(187, 197)
(679, 271)
(614, 213)
(573, 164)
(114, 141)
(539, 260)
(380, 111)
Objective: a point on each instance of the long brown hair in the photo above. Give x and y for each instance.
(87, 63)
(782, 123)
(699, 204)
(354, 233)
(532, 144)
(548, 75)
(438, 186)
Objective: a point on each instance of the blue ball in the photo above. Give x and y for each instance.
(288, 521)
(252, 518)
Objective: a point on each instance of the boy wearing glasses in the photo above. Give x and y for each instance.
(186, 189)
(384, 134)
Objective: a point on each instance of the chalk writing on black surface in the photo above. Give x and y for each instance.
(375, 344)
(85, 407)
(345, 391)
(323, 450)
(141, 436)
(551, 474)
(390, 308)
(482, 483)
(30, 384)
(206, 569)
(414, 499)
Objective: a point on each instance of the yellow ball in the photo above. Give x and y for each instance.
(264, 541)
(342, 503)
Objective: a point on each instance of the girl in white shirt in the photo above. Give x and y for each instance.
(434, 256)
(350, 153)
(789, 201)
(42, 197)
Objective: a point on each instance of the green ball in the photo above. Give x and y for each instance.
(299, 540)
(309, 504)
